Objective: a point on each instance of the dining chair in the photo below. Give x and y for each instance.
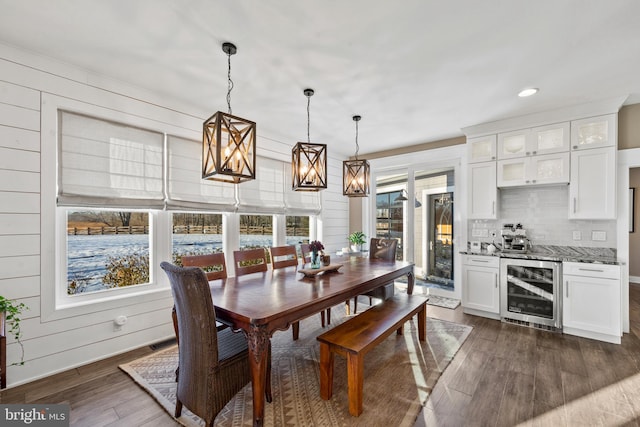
(214, 365)
(380, 249)
(214, 265)
(283, 256)
(305, 249)
(291, 260)
(250, 261)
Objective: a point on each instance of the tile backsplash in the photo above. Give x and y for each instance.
(543, 212)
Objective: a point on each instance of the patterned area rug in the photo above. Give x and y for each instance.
(399, 376)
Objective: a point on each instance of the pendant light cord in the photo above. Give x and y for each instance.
(230, 82)
(308, 119)
(357, 145)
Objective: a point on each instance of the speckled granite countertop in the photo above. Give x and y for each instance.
(558, 253)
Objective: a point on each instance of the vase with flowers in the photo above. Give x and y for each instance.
(316, 247)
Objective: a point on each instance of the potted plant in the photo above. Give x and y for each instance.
(357, 239)
(10, 312)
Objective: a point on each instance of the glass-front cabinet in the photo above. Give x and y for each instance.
(594, 132)
(534, 142)
(481, 149)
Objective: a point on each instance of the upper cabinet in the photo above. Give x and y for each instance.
(535, 141)
(594, 132)
(481, 149)
(483, 192)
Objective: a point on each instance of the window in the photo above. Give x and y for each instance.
(106, 250)
(196, 234)
(256, 231)
(297, 229)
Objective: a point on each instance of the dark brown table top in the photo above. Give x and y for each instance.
(278, 297)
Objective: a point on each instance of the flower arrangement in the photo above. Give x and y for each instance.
(316, 246)
(10, 311)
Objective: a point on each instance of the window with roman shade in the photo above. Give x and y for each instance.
(186, 190)
(107, 164)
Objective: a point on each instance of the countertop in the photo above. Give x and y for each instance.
(558, 253)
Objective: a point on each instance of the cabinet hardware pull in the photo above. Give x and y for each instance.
(574, 205)
(534, 152)
(493, 157)
(528, 153)
(566, 286)
(493, 207)
(495, 281)
(479, 260)
(591, 269)
(575, 147)
(527, 181)
(534, 181)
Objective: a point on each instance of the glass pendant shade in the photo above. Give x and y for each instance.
(228, 148)
(309, 166)
(355, 177)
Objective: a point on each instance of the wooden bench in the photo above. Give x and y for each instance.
(355, 337)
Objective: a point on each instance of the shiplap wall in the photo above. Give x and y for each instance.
(57, 343)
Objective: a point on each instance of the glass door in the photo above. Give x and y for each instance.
(390, 215)
(440, 238)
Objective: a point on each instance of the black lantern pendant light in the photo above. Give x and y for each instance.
(355, 173)
(228, 142)
(309, 161)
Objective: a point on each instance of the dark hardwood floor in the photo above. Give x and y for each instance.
(503, 375)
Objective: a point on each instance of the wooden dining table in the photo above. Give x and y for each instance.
(261, 303)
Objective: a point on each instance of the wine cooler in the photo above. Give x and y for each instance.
(530, 293)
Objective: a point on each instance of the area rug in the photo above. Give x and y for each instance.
(399, 375)
(445, 302)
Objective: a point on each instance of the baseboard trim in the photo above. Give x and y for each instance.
(634, 279)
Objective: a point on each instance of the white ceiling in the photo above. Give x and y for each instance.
(415, 70)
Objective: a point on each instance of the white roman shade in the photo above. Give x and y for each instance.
(265, 193)
(106, 164)
(186, 190)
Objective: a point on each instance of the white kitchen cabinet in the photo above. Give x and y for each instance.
(592, 190)
(483, 192)
(535, 141)
(481, 149)
(594, 132)
(591, 301)
(534, 170)
(480, 286)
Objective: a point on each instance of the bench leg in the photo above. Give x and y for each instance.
(355, 374)
(326, 371)
(400, 330)
(295, 330)
(422, 323)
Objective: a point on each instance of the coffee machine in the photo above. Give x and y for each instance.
(514, 238)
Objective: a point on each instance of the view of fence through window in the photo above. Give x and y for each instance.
(109, 249)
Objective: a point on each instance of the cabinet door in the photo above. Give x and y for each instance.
(514, 144)
(592, 191)
(592, 304)
(483, 193)
(594, 132)
(480, 288)
(513, 172)
(481, 149)
(550, 139)
(549, 169)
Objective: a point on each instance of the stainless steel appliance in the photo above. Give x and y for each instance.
(530, 293)
(514, 238)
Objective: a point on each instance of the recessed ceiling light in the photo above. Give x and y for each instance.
(528, 92)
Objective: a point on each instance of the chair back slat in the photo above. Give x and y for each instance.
(283, 256)
(250, 261)
(216, 261)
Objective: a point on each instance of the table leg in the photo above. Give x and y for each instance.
(422, 323)
(258, 340)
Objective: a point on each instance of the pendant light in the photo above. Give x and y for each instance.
(309, 161)
(355, 173)
(228, 141)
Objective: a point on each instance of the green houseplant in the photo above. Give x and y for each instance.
(10, 312)
(357, 239)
